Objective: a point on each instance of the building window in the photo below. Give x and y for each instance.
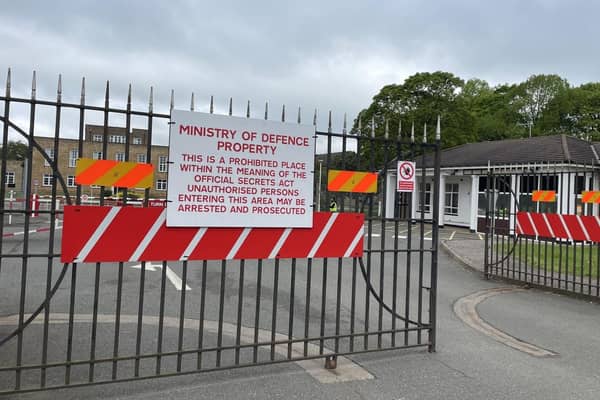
(120, 156)
(50, 154)
(10, 179)
(451, 205)
(47, 180)
(501, 186)
(161, 184)
(96, 138)
(97, 155)
(73, 156)
(137, 140)
(71, 180)
(116, 139)
(141, 158)
(162, 164)
(424, 201)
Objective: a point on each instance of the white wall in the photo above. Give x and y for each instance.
(464, 201)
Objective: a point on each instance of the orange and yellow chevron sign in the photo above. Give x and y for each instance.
(123, 174)
(351, 181)
(590, 197)
(544, 196)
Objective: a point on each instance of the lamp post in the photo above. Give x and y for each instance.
(319, 192)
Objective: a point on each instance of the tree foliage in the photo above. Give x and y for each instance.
(473, 110)
(16, 150)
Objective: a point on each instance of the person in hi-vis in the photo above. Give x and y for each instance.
(333, 205)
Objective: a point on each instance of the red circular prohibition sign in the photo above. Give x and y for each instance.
(406, 170)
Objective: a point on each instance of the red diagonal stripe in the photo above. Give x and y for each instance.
(259, 243)
(124, 234)
(593, 227)
(79, 223)
(168, 243)
(215, 244)
(540, 224)
(574, 227)
(341, 234)
(301, 240)
(526, 227)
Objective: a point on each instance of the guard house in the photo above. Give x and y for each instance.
(564, 163)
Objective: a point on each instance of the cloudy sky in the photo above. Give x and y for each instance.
(332, 55)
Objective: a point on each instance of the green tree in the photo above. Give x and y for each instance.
(419, 100)
(575, 111)
(535, 94)
(16, 150)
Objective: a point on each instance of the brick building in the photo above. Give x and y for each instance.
(68, 154)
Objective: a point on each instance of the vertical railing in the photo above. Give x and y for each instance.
(345, 318)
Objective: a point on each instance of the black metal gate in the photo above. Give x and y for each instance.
(80, 324)
(558, 263)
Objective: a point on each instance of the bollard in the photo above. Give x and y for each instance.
(331, 362)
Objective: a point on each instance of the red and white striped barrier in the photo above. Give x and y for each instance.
(38, 230)
(112, 234)
(559, 226)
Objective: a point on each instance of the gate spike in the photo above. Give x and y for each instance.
(248, 110)
(192, 105)
(387, 129)
(230, 106)
(345, 126)
(33, 86)
(266, 110)
(438, 130)
(172, 105)
(299, 115)
(425, 133)
(315, 118)
(59, 88)
(399, 129)
(373, 126)
(129, 96)
(82, 99)
(283, 113)
(8, 84)
(106, 94)
(151, 100)
(412, 132)
(212, 104)
(329, 122)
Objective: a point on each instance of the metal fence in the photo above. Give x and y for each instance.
(559, 263)
(81, 324)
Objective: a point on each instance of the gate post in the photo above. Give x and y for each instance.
(488, 199)
(434, 240)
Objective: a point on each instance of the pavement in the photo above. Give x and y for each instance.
(469, 251)
(495, 341)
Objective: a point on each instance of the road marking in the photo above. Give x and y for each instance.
(427, 233)
(466, 309)
(346, 369)
(480, 237)
(452, 235)
(171, 275)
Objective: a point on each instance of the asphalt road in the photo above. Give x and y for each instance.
(467, 364)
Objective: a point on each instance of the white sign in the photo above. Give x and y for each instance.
(238, 172)
(406, 176)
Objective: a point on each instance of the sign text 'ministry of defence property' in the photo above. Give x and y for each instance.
(238, 172)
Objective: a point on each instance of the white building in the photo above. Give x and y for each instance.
(564, 164)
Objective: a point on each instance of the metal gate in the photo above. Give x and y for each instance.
(542, 226)
(81, 324)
